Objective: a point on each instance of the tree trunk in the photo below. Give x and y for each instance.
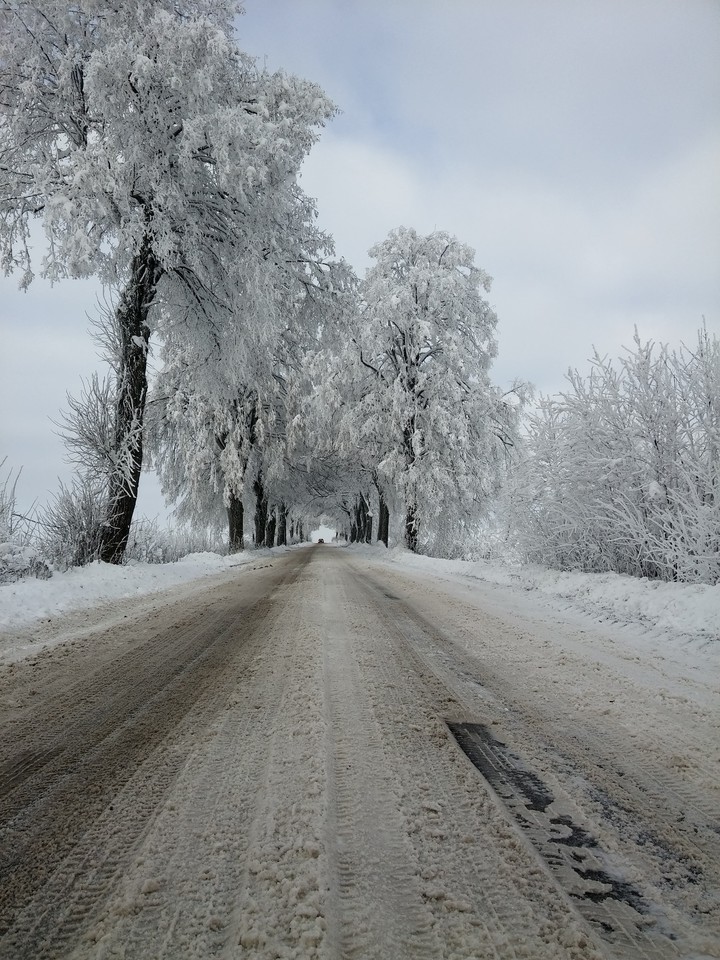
(282, 525)
(261, 511)
(236, 510)
(363, 520)
(411, 528)
(236, 513)
(367, 520)
(134, 335)
(383, 520)
(270, 528)
(411, 521)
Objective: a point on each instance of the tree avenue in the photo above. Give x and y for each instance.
(159, 158)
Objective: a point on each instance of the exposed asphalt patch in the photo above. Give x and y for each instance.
(499, 767)
(615, 908)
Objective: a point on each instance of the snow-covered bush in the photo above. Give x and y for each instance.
(18, 556)
(7, 504)
(17, 562)
(71, 525)
(622, 471)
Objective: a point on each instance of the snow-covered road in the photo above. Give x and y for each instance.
(323, 756)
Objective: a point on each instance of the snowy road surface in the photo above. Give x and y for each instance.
(323, 757)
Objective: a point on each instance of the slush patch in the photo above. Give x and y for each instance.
(624, 920)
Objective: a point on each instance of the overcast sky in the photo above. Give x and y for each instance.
(575, 144)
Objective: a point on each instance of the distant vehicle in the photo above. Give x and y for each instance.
(321, 540)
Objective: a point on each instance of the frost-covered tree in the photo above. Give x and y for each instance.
(622, 470)
(157, 156)
(221, 421)
(426, 336)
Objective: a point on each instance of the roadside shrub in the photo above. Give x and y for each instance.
(18, 555)
(622, 471)
(72, 522)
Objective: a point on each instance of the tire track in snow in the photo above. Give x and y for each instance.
(177, 897)
(233, 865)
(379, 910)
(658, 824)
(280, 908)
(68, 830)
(614, 928)
(288, 787)
(43, 834)
(644, 813)
(488, 894)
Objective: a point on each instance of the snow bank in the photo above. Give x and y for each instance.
(28, 600)
(677, 612)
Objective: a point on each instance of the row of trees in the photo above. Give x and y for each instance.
(378, 399)
(162, 159)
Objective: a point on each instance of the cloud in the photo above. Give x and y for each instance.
(574, 145)
(668, 231)
(576, 91)
(570, 271)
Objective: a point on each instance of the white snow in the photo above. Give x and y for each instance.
(35, 603)
(678, 614)
(30, 599)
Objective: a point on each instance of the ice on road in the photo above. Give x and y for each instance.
(323, 757)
